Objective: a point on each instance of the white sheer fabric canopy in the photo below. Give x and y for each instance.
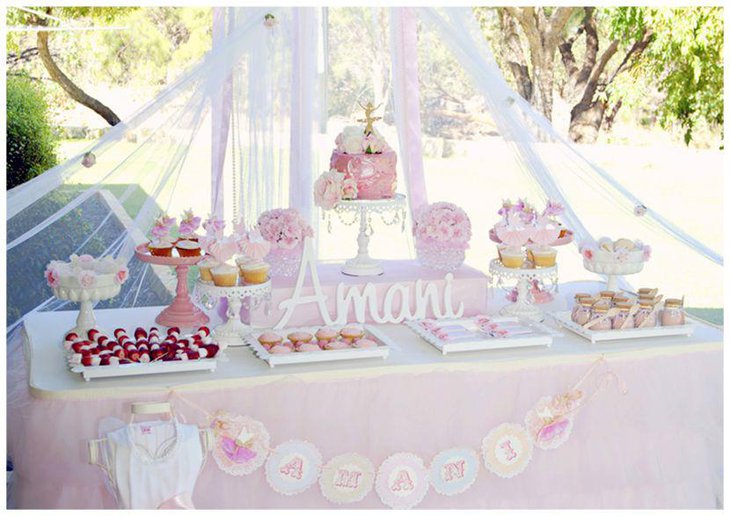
(247, 129)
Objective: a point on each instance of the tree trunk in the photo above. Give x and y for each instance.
(514, 56)
(544, 75)
(68, 86)
(585, 121)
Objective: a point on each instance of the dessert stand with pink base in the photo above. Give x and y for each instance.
(362, 264)
(181, 312)
(232, 332)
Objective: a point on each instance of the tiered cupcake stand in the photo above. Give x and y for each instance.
(86, 297)
(232, 332)
(362, 264)
(522, 307)
(181, 312)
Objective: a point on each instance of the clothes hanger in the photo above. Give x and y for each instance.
(147, 408)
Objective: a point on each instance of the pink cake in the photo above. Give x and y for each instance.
(367, 158)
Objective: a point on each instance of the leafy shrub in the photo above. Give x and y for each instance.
(31, 144)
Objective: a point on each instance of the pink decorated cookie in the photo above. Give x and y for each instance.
(352, 333)
(336, 344)
(300, 337)
(279, 349)
(308, 347)
(365, 343)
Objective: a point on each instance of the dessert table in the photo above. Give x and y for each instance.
(658, 445)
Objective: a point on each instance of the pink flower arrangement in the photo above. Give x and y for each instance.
(52, 277)
(121, 276)
(284, 228)
(189, 224)
(442, 224)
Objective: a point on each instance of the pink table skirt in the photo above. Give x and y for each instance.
(658, 446)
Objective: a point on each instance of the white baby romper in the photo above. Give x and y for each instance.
(154, 464)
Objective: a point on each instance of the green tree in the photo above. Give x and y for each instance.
(44, 17)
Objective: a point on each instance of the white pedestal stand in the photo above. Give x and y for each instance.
(362, 264)
(522, 307)
(613, 271)
(231, 332)
(87, 297)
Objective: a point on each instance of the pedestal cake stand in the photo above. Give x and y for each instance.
(181, 312)
(362, 264)
(232, 332)
(612, 270)
(86, 297)
(522, 307)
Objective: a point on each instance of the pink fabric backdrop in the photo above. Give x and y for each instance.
(658, 446)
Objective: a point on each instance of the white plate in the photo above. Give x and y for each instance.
(541, 337)
(563, 319)
(176, 366)
(309, 357)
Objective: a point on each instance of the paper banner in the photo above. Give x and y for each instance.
(402, 481)
(548, 426)
(241, 443)
(293, 467)
(507, 450)
(454, 471)
(347, 478)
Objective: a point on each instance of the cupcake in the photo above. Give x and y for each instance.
(544, 256)
(160, 248)
(300, 337)
(255, 273)
(512, 257)
(241, 262)
(365, 343)
(187, 248)
(325, 335)
(269, 339)
(204, 266)
(352, 333)
(225, 275)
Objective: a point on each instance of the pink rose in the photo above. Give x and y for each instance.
(121, 276)
(328, 189)
(86, 258)
(87, 279)
(52, 277)
(587, 252)
(349, 189)
(372, 144)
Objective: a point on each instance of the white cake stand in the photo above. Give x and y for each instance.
(231, 332)
(522, 306)
(613, 270)
(87, 297)
(362, 264)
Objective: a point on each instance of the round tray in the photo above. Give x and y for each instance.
(496, 268)
(209, 288)
(143, 254)
(560, 241)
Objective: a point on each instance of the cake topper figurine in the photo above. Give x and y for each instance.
(369, 119)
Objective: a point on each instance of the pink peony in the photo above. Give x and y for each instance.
(328, 189)
(121, 276)
(349, 189)
(373, 144)
(284, 228)
(52, 277)
(87, 278)
(442, 224)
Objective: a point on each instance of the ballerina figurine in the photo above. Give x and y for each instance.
(369, 119)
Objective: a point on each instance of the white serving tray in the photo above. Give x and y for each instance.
(543, 337)
(563, 319)
(177, 366)
(328, 355)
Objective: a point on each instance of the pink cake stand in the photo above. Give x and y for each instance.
(181, 312)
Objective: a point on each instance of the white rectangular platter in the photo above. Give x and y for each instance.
(541, 335)
(177, 366)
(563, 319)
(318, 356)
